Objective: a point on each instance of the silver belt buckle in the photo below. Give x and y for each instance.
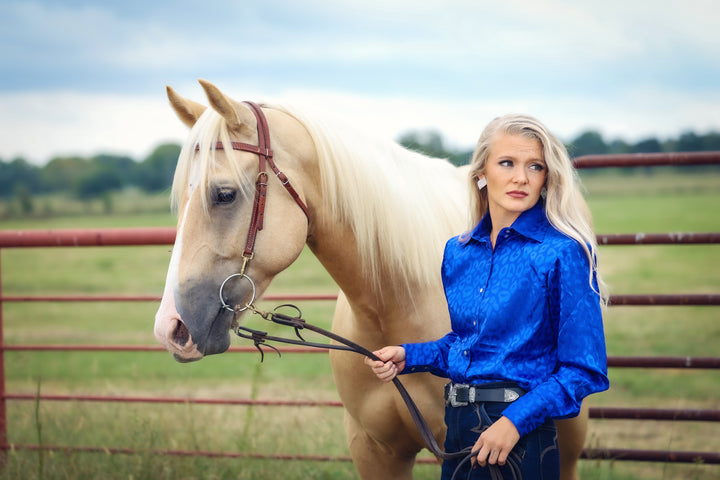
(452, 395)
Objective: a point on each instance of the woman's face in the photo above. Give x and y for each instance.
(515, 173)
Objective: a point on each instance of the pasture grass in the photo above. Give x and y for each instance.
(620, 203)
(64, 208)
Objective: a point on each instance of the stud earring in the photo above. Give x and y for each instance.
(481, 183)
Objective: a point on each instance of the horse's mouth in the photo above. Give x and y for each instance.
(188, 342)
(180, 359)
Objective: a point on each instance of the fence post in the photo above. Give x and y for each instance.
(3, 415)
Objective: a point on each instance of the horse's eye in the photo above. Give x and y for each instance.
(224, 196)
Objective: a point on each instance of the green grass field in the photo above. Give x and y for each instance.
(662, 202)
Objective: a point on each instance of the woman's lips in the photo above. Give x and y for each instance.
(517, 194)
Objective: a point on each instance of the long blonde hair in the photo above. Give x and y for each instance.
(565, 206)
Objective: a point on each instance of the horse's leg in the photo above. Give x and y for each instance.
(571, 438)
(375, 460)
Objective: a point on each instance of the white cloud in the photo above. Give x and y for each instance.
(91, 78)
(47, 124)
(52, 124)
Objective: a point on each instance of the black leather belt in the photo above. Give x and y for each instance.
(460, 395)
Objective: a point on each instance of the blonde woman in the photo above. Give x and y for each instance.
(525, 302)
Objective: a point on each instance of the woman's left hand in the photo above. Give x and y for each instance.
(496, 443)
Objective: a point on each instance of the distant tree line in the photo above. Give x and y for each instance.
(88, 178)
(97, 176)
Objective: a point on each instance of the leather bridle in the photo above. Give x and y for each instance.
(265, 159)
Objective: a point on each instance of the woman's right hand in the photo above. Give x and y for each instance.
(392, 362)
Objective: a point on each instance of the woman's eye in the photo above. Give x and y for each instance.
(223, 196)
(537, 167)
(506, 163)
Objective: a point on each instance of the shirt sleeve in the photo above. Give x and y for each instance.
(581, 368)
(428, 356)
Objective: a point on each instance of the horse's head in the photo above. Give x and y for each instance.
(215, 270)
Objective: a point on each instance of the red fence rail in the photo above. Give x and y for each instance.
(625, 160)
(165, 236)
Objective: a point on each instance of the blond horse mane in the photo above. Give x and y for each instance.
(402, 206)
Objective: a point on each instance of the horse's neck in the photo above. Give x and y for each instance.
(388, 314)
(335, 248)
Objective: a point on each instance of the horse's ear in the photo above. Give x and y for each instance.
(187, 110)
(237, 118)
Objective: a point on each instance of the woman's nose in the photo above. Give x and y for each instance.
(520, 176)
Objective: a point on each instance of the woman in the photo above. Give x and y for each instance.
(525, 303)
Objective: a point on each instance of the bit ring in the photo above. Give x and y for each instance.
(222, 286)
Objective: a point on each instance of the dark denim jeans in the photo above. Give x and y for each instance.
(536, 454)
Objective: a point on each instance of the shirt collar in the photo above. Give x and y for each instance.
(531, 223)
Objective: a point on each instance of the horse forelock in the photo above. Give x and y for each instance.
(198, 161)
(402, 206)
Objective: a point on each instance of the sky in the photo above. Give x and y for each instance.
(81, 77)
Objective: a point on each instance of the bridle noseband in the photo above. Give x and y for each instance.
(265, 158)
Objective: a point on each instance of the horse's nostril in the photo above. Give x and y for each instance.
(182, 335)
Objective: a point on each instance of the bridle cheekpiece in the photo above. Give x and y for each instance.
(265, 159)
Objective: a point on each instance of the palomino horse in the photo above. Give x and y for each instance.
(374, 214)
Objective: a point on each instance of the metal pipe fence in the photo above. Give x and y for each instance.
(166, 236)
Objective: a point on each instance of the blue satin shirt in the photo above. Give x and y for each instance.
(524, 312)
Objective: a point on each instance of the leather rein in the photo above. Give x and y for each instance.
(259, 337)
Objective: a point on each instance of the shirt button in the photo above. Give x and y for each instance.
(481, 290)
(465, 353)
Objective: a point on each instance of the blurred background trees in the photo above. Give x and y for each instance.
(99, 177)
(587, 143)
(90, 177)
